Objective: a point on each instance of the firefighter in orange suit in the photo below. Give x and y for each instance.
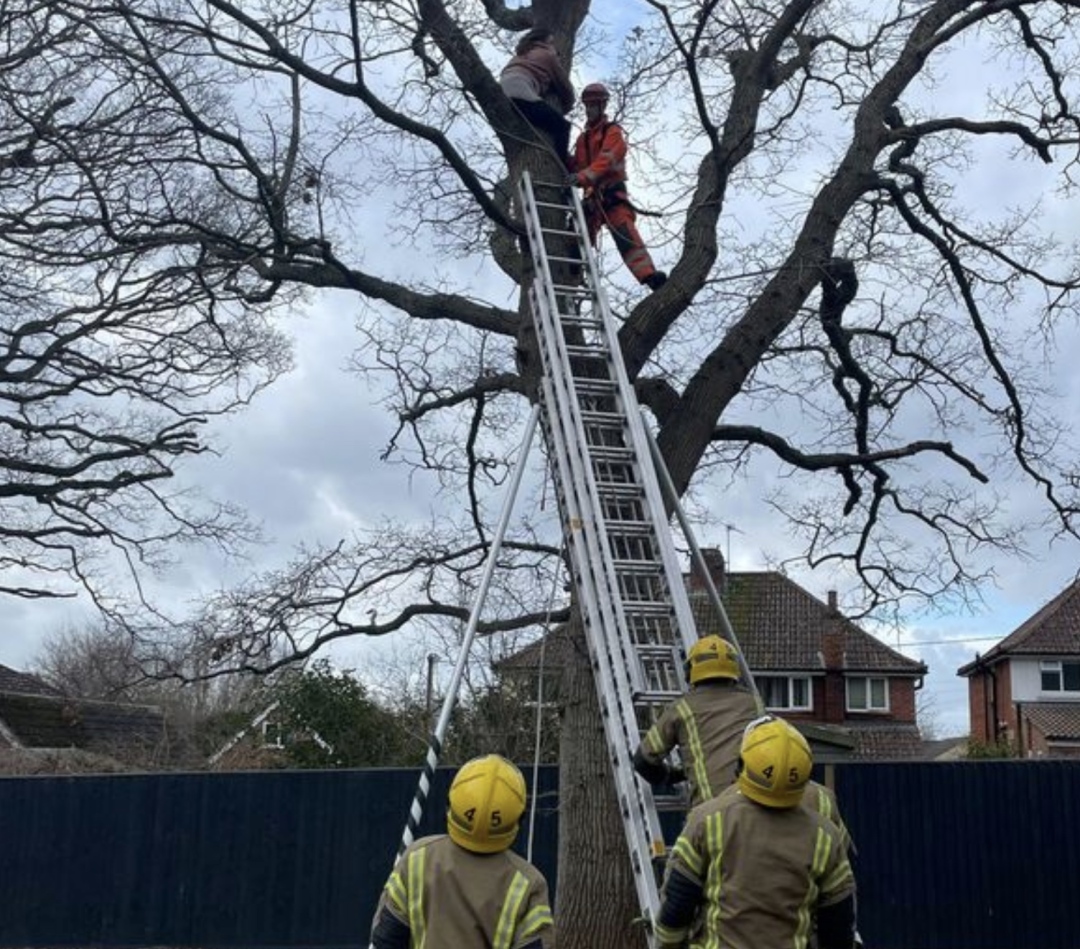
(599, 167)
(706, 724)
(466, 888)
(760, 869)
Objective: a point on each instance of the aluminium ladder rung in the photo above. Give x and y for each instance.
(555, 232)
(633, 530)
(551, 206)
(657, 650)
(596, 417)
(636, 568)
(658, 697)
(611, 453)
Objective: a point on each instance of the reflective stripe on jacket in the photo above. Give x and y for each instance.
(600, 156)
(707, 726)
(451, 898)
(762, 873)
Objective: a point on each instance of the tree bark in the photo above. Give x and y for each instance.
(595, 899)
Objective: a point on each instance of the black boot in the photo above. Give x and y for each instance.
(655, 280)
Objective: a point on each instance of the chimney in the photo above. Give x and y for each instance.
(833, 608)
(832, 658)
(714, 563)
(832, 648)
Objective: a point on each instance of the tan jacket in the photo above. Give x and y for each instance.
(764, 872)
(707, 726)
(451, 898)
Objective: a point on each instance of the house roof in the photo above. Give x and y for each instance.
(1056, 720)
(944, 749)
(48, 721)
(779, 626)
(23, 683)
(1052, 630)
(782, 627)
(887, 741)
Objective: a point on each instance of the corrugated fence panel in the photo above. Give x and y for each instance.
(240, 859)
(968, 855)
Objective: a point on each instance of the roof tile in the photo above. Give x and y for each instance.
(780, 628)
(24, 683)
(1056, 720)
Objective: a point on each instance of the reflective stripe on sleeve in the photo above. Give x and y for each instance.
(700, 775)
(838, 879)
(399, 897)
(511, 907)
(537, 919)
(691, 859)
(653, 742)
(415, 875)
(824, 804)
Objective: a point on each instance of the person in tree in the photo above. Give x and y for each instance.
(466, 889)
(598, 166)
(533, 77)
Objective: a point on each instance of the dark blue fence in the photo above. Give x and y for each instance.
(973, 855)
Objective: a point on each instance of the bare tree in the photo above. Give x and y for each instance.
(826, 261)
(103, 662)
(118, 341)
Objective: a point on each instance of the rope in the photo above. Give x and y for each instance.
(540, 711)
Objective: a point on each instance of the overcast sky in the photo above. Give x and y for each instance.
(304, 461)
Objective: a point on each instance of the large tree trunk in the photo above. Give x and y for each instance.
(595, 900)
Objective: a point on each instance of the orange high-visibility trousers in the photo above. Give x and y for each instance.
(621, 221)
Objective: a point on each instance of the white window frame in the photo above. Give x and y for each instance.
(273, 734)
(790, 682)
(1056, 666)
(868, 685)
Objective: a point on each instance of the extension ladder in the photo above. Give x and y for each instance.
(634, 605)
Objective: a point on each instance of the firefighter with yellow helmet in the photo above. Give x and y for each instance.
(752, 866)
(706, 724)
(466, 888)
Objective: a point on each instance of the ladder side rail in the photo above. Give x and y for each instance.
(565, 425)
(644, 835)
(680, 599)
(533, 230)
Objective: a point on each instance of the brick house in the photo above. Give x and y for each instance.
(813, 665)
(1025, 691)
(853, 696)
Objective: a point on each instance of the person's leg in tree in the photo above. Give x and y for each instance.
(555, 127)
(621, 221)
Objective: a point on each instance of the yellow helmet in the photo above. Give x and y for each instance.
(712, 657)
(775, 763)
(487, 800)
